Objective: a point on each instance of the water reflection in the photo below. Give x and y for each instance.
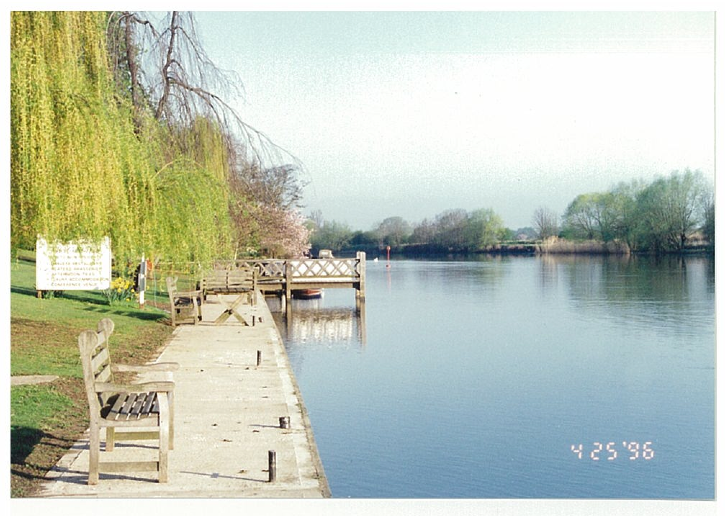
(675, 291)
(482, 374)
(314, 322)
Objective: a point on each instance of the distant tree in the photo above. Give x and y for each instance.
(450, 228)
(279, 187)
(332, 235)
(581, 218)
(621, 215)
(423, 232)
(364, 239)
(484, 228)
(708, 226)
(393, 231)
(509, 234)
(528, 232)
(670, 210)
(545, 222)
(316, 219)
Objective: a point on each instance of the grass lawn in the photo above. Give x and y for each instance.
(46, 419)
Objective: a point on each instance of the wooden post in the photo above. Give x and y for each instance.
(361, 289)
(288, 281)
(272, 466)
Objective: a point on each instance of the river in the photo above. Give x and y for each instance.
(514, 377)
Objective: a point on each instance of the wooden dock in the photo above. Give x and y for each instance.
(285, 276)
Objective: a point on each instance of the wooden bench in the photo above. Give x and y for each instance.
(184, 306)
(241, 281)
(147, 408)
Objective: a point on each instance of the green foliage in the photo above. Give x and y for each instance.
(393, 231)
(659, 216)
(331, 235)
(484, 229)
(120, 291)
(669, 210)
(81, 168)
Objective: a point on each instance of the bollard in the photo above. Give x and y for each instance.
(284, 422)
(272, 467)
(259, 357)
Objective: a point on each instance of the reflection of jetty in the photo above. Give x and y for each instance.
(339, 326)
(284, 276)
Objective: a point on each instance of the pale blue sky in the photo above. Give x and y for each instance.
(412, 113)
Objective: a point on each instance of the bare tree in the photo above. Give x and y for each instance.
(278, 186)
(545, 222)
(169, 74)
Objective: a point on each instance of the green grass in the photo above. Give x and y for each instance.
(44, 332)
(34, 408)
(46, 419)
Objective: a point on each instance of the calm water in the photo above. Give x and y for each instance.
(515, 377)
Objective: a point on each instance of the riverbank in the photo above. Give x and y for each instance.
(521, 248)
(227, 419)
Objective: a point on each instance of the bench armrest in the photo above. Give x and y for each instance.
(135, 387)
(187, 293)
(146, 368)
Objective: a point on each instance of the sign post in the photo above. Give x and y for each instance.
(142, 281)
(72, 266)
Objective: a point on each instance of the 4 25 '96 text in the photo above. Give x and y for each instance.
(612, 451)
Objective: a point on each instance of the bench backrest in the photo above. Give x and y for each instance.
(233, 280)
(96, 362)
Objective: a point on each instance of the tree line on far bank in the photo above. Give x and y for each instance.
(661, 216)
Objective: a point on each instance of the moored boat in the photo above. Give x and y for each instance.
(308, 293)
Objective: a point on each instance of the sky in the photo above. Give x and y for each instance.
(413, 113)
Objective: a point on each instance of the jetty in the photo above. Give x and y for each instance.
(241, 427)
(281, 277)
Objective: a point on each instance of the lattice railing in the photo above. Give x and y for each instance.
(330, 268)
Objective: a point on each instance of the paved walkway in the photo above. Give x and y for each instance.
(227, 419)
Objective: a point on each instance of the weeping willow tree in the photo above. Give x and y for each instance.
(82, 164)
(116, 131)
(66, 152)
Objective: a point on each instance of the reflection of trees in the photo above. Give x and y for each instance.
(477, 272)
(673, 289)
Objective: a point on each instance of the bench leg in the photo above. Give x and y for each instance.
(163, 438)
(94, 450)
(110, 439)
(171, 420)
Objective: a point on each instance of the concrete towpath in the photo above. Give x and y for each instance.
(227, 419)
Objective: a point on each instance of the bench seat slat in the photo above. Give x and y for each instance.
(134, 406)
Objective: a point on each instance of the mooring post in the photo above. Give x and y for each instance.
(259, 357)
(272, 466)
(361, 289)
(288, 280)
(284, 421)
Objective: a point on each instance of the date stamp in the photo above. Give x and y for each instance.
(610, 451)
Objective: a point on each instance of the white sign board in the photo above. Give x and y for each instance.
(74, 266)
